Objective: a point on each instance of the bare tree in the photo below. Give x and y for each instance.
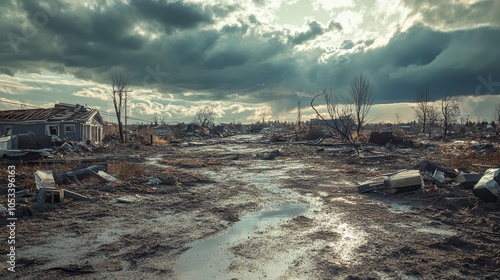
(205, 116)
(339, 119)
(450, 108)
(425, 110)
(156, 117)
(361, 94)
(121, 86)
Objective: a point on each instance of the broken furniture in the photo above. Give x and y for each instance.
(488, 188)
(47, 191)
(52, 196)
(400, 182)
(467, 180)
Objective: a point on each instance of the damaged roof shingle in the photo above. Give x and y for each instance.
(60, 112)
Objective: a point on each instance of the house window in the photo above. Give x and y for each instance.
(52, 130)
(7, 130)
(69, 128)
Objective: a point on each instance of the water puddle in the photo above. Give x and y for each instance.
(211, 257)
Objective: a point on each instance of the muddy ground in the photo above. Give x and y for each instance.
(220, 212)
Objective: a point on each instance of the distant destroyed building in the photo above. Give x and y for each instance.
(66, 121)
(327, 124)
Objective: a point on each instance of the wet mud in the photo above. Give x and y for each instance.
(230, 215)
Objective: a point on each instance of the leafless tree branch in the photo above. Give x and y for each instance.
(205, 116)
(361, 94)
(450, 109)
(339, 120)
(120, 86)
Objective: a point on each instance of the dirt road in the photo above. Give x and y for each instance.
(231, 215)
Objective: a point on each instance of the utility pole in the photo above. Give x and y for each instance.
(126, 108)
(298, 113)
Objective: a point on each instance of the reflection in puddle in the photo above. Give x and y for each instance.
(437, 231)
(210, 258)
(349, 241)
(342, 199)
(399, 208)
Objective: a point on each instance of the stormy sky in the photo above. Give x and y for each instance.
(248, 59)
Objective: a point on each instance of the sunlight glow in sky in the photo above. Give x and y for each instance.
(248, 59)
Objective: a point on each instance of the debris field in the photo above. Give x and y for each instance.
(257, 206)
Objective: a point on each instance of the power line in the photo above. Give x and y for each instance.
(18, 103)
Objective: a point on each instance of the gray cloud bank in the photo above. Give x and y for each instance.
(245, 61)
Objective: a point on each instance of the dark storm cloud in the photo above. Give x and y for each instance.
(347, 44)
(178, 15)
(315, 29)
(239, 62)
(449, 62)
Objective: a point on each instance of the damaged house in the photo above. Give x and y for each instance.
(66, 121)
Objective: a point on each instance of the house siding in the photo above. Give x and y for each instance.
(38, 129)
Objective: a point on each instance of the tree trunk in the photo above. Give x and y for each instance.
(120, 128)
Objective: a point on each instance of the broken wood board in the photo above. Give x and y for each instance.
(127, 199)
(74, 195)
(104, 177)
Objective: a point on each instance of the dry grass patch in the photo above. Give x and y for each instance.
(182, 176)
(25, 179)
(125, 169)
(468, 158)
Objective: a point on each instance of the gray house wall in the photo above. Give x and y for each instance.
(40, 129)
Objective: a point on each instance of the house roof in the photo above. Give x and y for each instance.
(60, 112)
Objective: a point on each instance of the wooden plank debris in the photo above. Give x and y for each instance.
(104, 177)
(74, 195)
(127, 199)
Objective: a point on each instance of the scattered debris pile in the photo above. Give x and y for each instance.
(73, 147)
(430, 177)
(270, 155)
(35, 150)
(382, 138)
